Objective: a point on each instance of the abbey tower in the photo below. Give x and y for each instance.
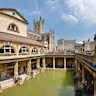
(39, 26)
(39, 34)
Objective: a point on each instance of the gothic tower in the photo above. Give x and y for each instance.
(51, 41)
(39, 26)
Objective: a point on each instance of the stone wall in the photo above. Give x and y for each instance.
(5, 21)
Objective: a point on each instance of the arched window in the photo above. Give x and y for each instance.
(34, 50)
(32, 36)
(41, 51)
(13, 27)
(35, 37)
(7, 49)
(24, 50)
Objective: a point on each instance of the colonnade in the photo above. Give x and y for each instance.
(64, 62)
(16, 66)
(83, 71)
(26, 67)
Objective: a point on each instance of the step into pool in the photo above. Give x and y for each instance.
(48, 83)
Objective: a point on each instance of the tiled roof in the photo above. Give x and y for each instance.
(18, 39)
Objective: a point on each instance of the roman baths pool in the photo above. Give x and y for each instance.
(48, 83)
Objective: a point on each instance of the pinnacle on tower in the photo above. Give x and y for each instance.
(34, 21)
(39, 25)
(43, 20)
(40, 18)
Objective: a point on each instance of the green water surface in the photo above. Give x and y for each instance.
(48, 83)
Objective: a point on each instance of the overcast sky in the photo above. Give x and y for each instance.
(70, 19)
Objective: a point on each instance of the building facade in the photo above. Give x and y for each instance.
(16, 49)
(79, 48)
(39, 34)
(89, 47)
(66, 46)
(22, 51)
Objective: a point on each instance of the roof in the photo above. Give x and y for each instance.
(66, 41)
(16, 12)
(60, 40)
(32, 32)
(18, 39)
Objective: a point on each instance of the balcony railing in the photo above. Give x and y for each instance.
(88, 60)
(23, 53)
(60, 53)
(7, 54)
(89, 57)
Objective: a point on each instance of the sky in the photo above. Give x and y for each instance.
(70, 19)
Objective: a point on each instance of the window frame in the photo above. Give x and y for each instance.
(13, 27)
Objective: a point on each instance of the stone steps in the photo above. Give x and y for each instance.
(7, 83)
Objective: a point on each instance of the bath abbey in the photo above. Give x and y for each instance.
(31, 56)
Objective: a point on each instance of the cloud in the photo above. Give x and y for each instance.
(84, 10)
(53, 4)
(80, 42)
(70, 18)
(37, 11)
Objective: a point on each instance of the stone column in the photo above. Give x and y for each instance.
(38, 63)
(17, 51)
(78, 64)
(44, 66)
(64, 63)
(29, 67)
(94, 86)
(83, 74)
(95, 60)
(30, 50)
(16, 69)
(54, 62)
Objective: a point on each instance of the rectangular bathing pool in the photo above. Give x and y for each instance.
(48, 83)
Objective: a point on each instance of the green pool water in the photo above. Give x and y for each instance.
(48, 83)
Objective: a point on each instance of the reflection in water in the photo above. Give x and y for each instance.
(48, 83)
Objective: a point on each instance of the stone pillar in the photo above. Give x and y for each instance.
(30, 51)
(44, 66)
(95, 86)
(29, 67)
(83, 74)
(38, 63)
(64, 63)
(16, 69)
(78, 64)
(54, 62)
(17, 51)
(95, 60)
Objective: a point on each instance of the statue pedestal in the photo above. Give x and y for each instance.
(20, 81)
